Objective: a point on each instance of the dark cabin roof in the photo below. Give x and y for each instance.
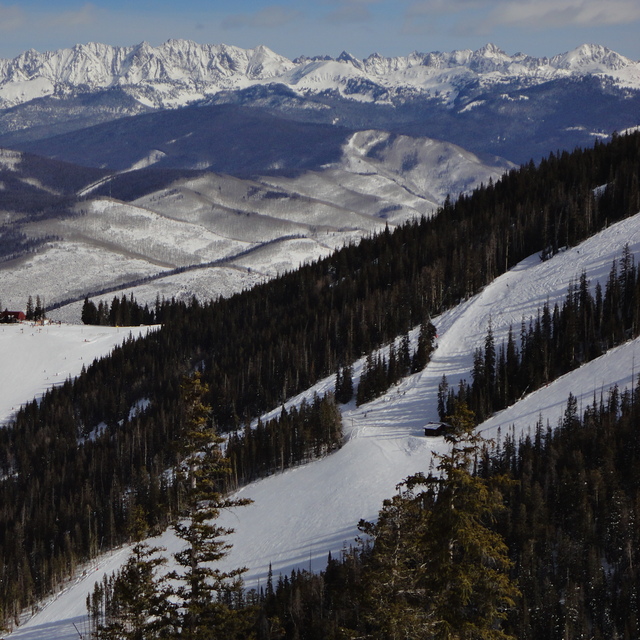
(435, 429)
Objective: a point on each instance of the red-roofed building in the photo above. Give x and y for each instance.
(12, 316)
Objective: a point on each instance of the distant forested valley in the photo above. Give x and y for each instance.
(80, 466)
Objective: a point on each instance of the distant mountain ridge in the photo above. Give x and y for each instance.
(514, 106)
(181, 71)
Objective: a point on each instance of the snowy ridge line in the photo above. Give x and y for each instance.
(180, 72)
(141, 164)
(172, 272)
(85, 191)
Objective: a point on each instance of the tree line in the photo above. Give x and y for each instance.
(123, 311)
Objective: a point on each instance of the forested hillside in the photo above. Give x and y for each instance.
(77, 464)
(556, 341)
(562, 501)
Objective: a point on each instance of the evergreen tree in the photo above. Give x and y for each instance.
(439, 570)
(115, 315)
(38, 311)
(344, 384)
(89, 313)
(394, 604)
(205, 592)
(443, 396)
(489, 367)
(467, 563)
(426, 346)
(103, 313)
(404, 356)
(512, 362)
(134, 604)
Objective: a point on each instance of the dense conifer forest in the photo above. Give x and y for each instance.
(122, 312)
(529, 539)
(294, 437)
(565, 504)
(77, 465)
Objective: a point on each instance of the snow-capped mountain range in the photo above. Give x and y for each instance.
(518, 107)
(180, 71)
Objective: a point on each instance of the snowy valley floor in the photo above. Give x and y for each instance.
(301, 515)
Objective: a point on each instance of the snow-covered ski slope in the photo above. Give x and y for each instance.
(301, 515)
(35, 358)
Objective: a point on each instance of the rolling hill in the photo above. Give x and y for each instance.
(178, 233)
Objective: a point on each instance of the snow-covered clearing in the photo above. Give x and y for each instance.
(301, 515)
(35, 358)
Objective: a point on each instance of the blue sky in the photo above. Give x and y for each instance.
(361, 27)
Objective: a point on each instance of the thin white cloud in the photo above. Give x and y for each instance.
(427, 8)
(269, 17)
(564, 13)
(435, 17)
(85, 15)
(351, 11)
(11, 18)
(481, 16)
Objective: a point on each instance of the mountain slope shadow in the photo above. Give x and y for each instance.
(222, 138)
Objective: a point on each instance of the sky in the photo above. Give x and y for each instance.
(293, 28)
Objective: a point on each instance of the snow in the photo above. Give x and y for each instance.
(153, 157)
(62, 270)
(36, 358)
(196, 221)
(181, 71)
(23, 91)
(301, 515)
(9, 160)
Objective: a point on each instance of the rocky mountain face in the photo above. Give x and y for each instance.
(173, 74)
(178, 72)
(518, 107)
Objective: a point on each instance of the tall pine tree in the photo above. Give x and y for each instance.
(135, 603)
(439, 570)
(209, 596)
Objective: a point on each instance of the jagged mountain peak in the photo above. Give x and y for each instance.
(588, 56)
(349, 59)
(180, 72)
(491, 50)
